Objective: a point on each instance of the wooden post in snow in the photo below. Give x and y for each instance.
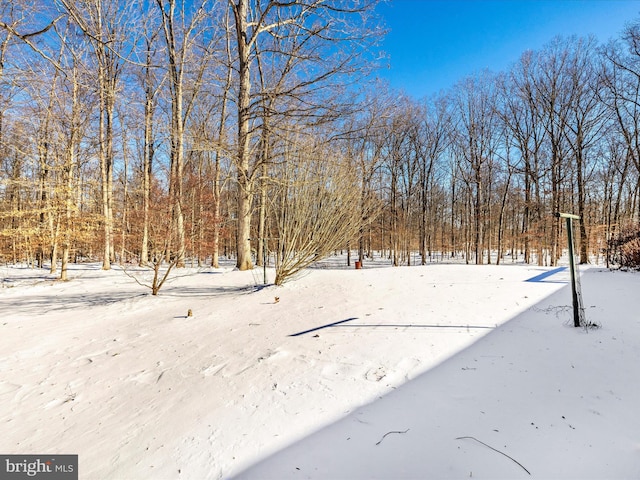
(576, 293)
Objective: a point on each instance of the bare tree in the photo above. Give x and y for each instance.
(106, 26)
(150, 84)
(522, 118)
(301, 31)
(181, 31)
(221, 149)
(432, 139)
(74, 127)
(475, 104)
(621, 78)
(363, 144)
(552, 88)
(586, 121)
(396, 153)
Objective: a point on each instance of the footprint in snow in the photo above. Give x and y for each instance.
(376, 374)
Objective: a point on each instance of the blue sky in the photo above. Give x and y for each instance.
(434, 43)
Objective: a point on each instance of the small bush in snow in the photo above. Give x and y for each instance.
(624, 249)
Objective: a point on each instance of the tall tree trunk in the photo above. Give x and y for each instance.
(503, 205)
(526, 214)
(106, 172)
(262, 214)
(394, 218)
(217, 221)
(148, 154)
(478, 221)
(555, 206)
(215, 254)
(584, 240)
(245, 181)
(68, 172)
(125, 200)
(176, 72)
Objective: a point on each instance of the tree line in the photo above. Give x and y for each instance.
(154, 131)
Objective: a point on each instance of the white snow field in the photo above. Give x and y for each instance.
(437, 371)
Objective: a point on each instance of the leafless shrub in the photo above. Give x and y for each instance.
(160, 273)
(319, 209)
(624, 249)
(162, 259)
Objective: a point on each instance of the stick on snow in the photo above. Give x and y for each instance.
(495, 450)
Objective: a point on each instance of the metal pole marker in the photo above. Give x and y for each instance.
(579, 319)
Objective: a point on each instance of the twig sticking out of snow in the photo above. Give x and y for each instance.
(389, 433)
(495, 450)
(558, 310)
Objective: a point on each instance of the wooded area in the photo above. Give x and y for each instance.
(179, 131)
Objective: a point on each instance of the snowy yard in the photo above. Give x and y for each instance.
(441, 371)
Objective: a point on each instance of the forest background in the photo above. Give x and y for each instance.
(163, 131)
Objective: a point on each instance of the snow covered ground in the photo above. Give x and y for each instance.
(441, 371)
